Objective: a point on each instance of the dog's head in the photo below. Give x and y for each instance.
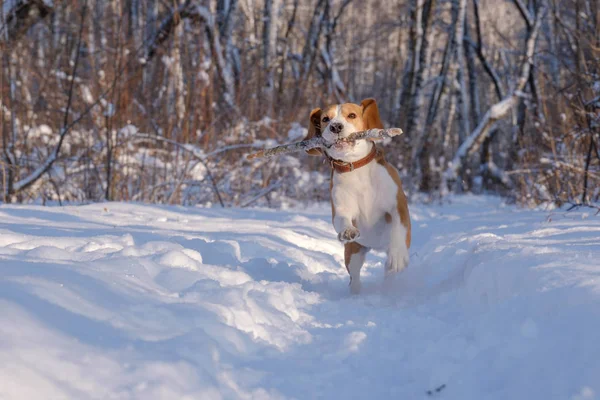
(338, 122)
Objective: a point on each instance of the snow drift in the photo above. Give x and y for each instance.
(127, 301)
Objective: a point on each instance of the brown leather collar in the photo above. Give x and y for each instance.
(343, 167)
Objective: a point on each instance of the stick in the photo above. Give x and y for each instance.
(372, 134)
(318, 141)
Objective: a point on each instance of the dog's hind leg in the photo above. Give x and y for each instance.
(397, 254)
(354, 258)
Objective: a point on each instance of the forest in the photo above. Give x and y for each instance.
(159, 101)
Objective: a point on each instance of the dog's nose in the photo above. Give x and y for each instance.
(336, 127)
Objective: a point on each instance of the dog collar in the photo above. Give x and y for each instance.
(343, 166)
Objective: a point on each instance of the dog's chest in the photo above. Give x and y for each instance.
(370, 190)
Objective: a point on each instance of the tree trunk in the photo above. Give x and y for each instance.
(463, 103)
(499, 110)
(284, 55)
(269, 39)
(311, 47)
(423, 62)
(418, 153)
(415, 43)
(473, 82)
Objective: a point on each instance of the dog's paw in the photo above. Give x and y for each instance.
(348, 235)
(395, 263)
(354, 286)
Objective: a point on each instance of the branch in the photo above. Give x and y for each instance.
(498, 110)
(487, 67)
(195, 152)
(345, 4)
(319, 142)
(499, 175)
(372, 134)
(313, 143)
(230, 148)
(165, 29)
(525, 13)
(42, 169)
(575, 206)
(20, 15)
(260, 194)
(224, 18)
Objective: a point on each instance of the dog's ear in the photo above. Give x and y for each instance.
(370, 116)
(314, 129)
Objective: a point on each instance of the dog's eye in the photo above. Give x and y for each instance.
(325, 119)
(351, 115)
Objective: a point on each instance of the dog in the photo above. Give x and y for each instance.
(368, 205)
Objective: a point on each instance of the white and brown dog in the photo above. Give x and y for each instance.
(368, 206)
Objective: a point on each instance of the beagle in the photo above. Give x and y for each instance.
(368, 206)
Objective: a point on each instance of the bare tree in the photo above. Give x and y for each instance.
(78, 91)
(499, 110)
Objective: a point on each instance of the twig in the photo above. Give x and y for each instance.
(230, 147)
(436, 390)
(372, 134)
(578, 205)
(260, 194)
(308, 144)
(319, 142)
(524, 13)
(194, 152)
(45, 167)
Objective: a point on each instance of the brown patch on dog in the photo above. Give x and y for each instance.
(314, 129)
(380, 157)
(331, 197)
(329, 111)
(388, 217)
(401, 202)
(349, 250)
(350, 108)
(370, 114)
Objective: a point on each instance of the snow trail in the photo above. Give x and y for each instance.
(132, 301)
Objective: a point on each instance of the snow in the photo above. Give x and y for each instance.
(86, 94)
(132, 301)
(42, 132)
(297, 132)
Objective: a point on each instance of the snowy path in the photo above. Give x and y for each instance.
(122, 301)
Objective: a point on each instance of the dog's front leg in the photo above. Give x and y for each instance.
(346, 231)
(343, 214)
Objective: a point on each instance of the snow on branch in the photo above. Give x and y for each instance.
(499, 110)
(318, 142)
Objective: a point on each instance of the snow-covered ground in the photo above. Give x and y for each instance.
(127, 301)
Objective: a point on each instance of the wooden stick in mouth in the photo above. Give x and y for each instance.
(319, 142)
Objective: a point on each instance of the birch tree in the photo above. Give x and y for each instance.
(227, 75)
(499, 110)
